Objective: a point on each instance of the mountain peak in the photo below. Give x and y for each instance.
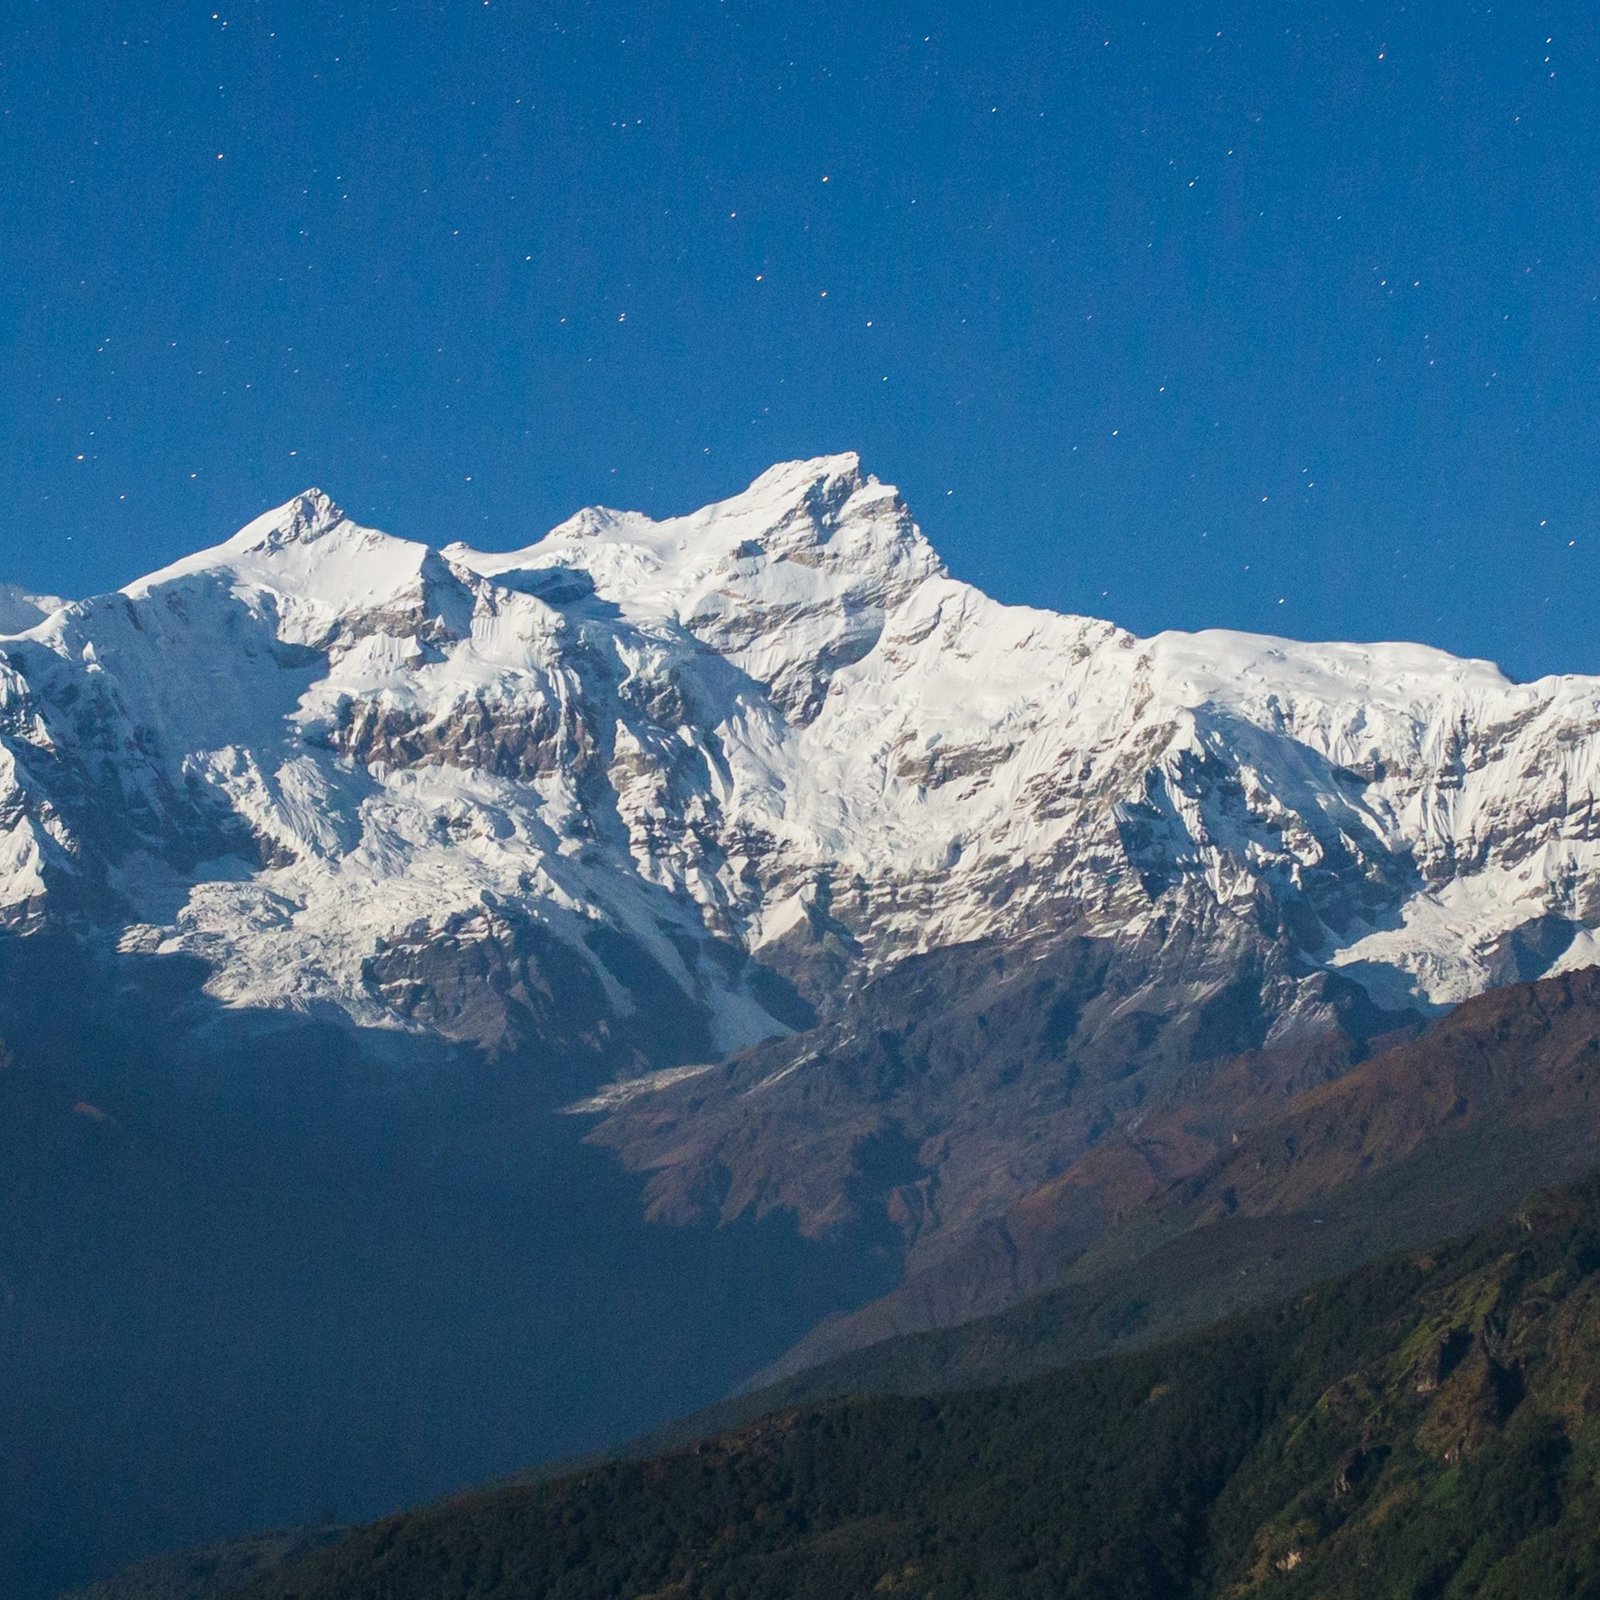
(309, 548)
(306, 518)
(821, 515)
(796, 479)
(802, 502)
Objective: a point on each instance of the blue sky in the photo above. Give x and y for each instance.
(1266, 316)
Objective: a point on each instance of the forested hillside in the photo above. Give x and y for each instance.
(1427, 1427)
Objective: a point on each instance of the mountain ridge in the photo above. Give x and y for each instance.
(1253, 764)
(689, 794)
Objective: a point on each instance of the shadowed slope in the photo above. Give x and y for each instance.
(1429, 1426)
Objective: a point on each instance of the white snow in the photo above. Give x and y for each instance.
(695, 727)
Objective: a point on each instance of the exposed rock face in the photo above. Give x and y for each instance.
(503, 981)
(655, 792)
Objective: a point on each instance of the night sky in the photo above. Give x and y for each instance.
(1267, 316)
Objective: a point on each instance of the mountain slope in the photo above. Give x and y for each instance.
(1424, 1427)
(1338, 1158)
(1490, 1099)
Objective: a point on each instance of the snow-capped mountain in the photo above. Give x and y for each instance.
(826, 885)
(775, 731)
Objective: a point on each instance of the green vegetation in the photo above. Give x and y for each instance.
(215, 1572)
(1426, 1428)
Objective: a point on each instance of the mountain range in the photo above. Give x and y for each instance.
(749, 871)
(773, 732)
